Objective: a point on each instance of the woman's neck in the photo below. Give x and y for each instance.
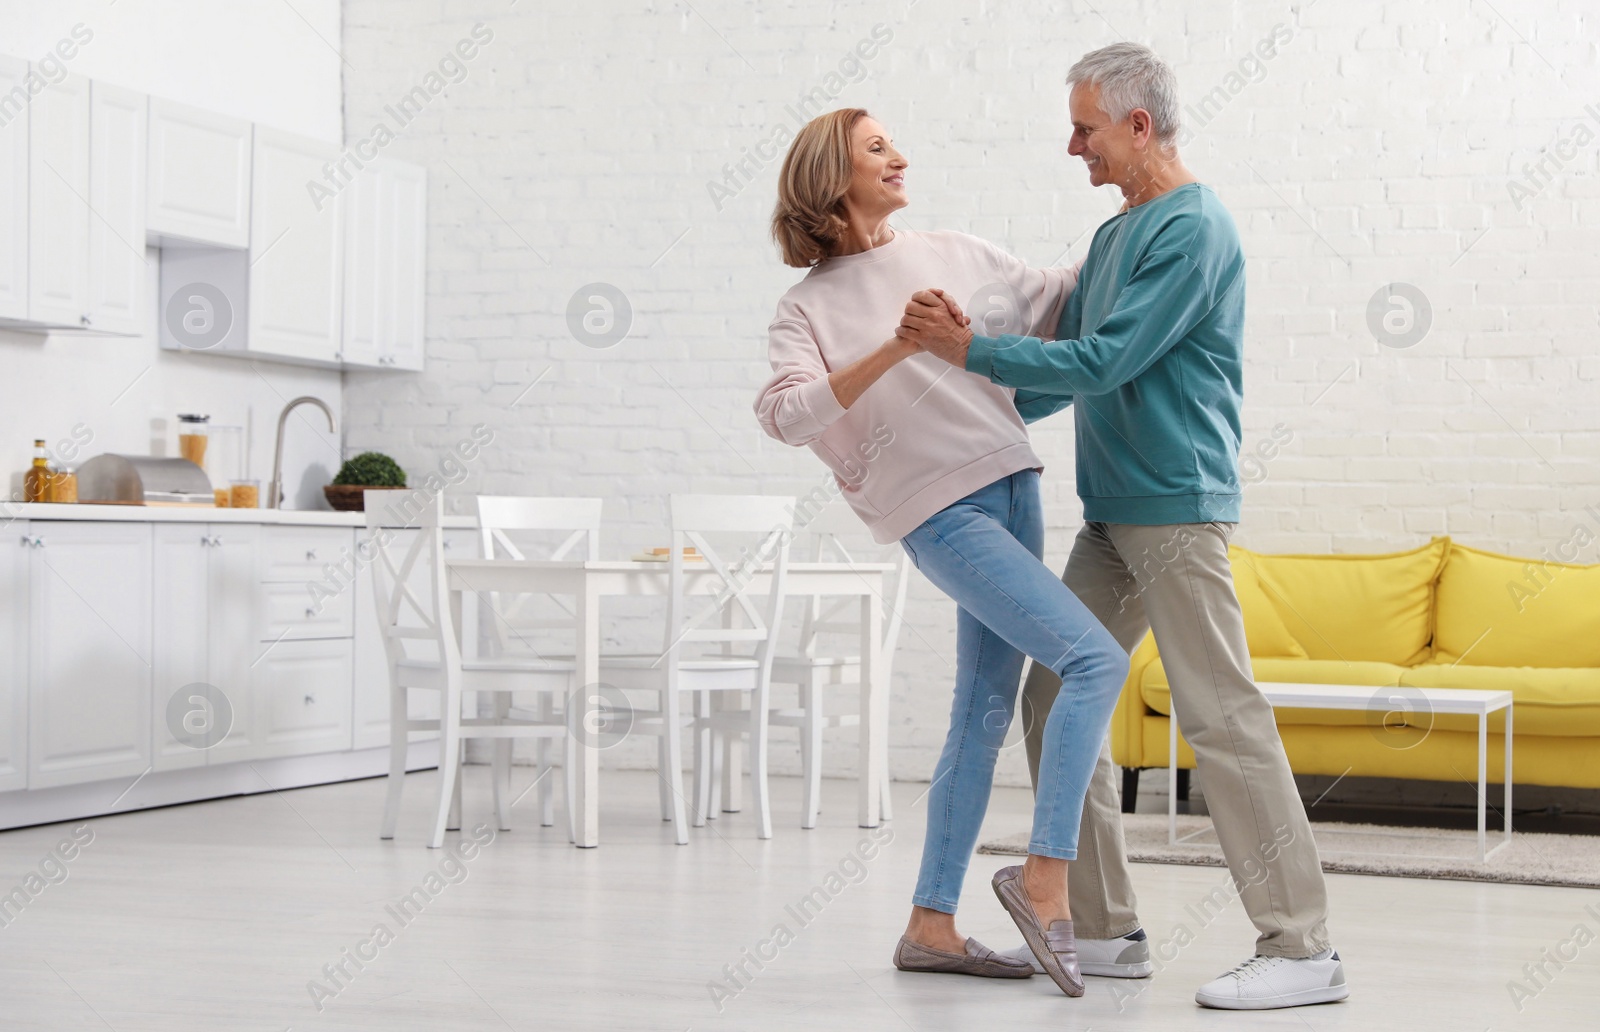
(863, 233)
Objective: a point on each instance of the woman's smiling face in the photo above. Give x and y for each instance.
(877, 182)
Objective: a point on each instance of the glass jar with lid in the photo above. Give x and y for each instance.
(193, 435)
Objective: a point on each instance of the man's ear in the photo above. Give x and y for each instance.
(1142, 124)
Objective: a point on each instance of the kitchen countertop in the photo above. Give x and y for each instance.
(196, 514)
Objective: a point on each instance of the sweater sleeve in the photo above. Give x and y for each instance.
(1035, 296)
(797, 404)
(1160, 304)
(1033, 406)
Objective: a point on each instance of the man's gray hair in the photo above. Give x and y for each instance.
(1131, 76)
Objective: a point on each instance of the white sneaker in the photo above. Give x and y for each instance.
(1264, 983)
(1125, 957)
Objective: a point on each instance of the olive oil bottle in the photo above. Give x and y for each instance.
(36, 481)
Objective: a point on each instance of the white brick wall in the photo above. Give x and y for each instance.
(1377, 146)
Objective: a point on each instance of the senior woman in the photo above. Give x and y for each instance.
(957, 484)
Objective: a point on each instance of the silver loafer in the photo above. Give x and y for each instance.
(978, 960)
(1056, 946)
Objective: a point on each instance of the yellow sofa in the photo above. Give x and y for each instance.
(1442, 615)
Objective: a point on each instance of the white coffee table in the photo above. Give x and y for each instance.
(1385, 700)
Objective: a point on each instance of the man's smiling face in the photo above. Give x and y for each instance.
(1106, 147)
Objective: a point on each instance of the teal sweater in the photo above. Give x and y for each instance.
(1151, 347)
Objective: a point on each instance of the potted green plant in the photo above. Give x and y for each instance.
(367, 471)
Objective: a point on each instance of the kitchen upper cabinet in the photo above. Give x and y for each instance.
(14, 658)
(117, 263)
(89, 652)
(385, 273)
(296, 271)
(199, 176)
(76, 250)
(58, 210)
(206, 601)
(13, 191)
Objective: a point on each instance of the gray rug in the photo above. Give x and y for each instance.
(1531, 859)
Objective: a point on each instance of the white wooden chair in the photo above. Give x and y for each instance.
(419, 640)
(509, 623)
(820, 673)
(707, 652)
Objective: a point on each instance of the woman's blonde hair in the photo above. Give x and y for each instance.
(809, 220)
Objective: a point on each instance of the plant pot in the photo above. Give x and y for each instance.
(350, 497)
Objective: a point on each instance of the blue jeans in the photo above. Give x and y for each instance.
(984, 552)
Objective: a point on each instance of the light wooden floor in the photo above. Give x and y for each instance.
(216, 916)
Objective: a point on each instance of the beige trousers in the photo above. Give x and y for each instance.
(1175, 580)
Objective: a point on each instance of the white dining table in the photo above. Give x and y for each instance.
(588, 581)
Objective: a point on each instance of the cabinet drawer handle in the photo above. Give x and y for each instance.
(311, 700)
(311, 553)
(311, 613)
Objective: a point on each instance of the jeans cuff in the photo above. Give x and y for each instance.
(930, 903)
(1054, 852)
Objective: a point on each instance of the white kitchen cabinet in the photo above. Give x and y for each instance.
(89, 651)
(58, 215)
(372, 666)
(179, 657)
(199, 166)
(117, 263)
(296, 271)
(14, 657)
(385, 269)
(206, 605)
(302, 697)
(13, 190)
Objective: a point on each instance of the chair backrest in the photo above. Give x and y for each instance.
(831, 528)
(706, 522)
(502, 516)
(405, 613)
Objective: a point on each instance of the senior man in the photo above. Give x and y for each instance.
(1149, 354)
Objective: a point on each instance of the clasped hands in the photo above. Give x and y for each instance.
(934, 323)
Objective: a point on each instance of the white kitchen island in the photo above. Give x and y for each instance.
(156, 655)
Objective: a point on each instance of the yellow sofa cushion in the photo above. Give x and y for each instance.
(1551, 702)
(1154, 688)
(1502, 611)
(1264, 630)
(1355, 608)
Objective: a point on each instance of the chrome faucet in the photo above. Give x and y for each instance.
(275, 489)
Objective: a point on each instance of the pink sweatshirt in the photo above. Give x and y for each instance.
(927, 434)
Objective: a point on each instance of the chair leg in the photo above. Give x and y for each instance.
(811, 751)
(714, 776)
(705, 746)
(1183, 784)
(758, 762)
(502, 763)
(547, 790)
(662, 762)
(885, 805)
(672, 775)
(568, 758)
(1130, 788)
(449, 762)
(732, 772)
(398, 740)
(454, 823)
